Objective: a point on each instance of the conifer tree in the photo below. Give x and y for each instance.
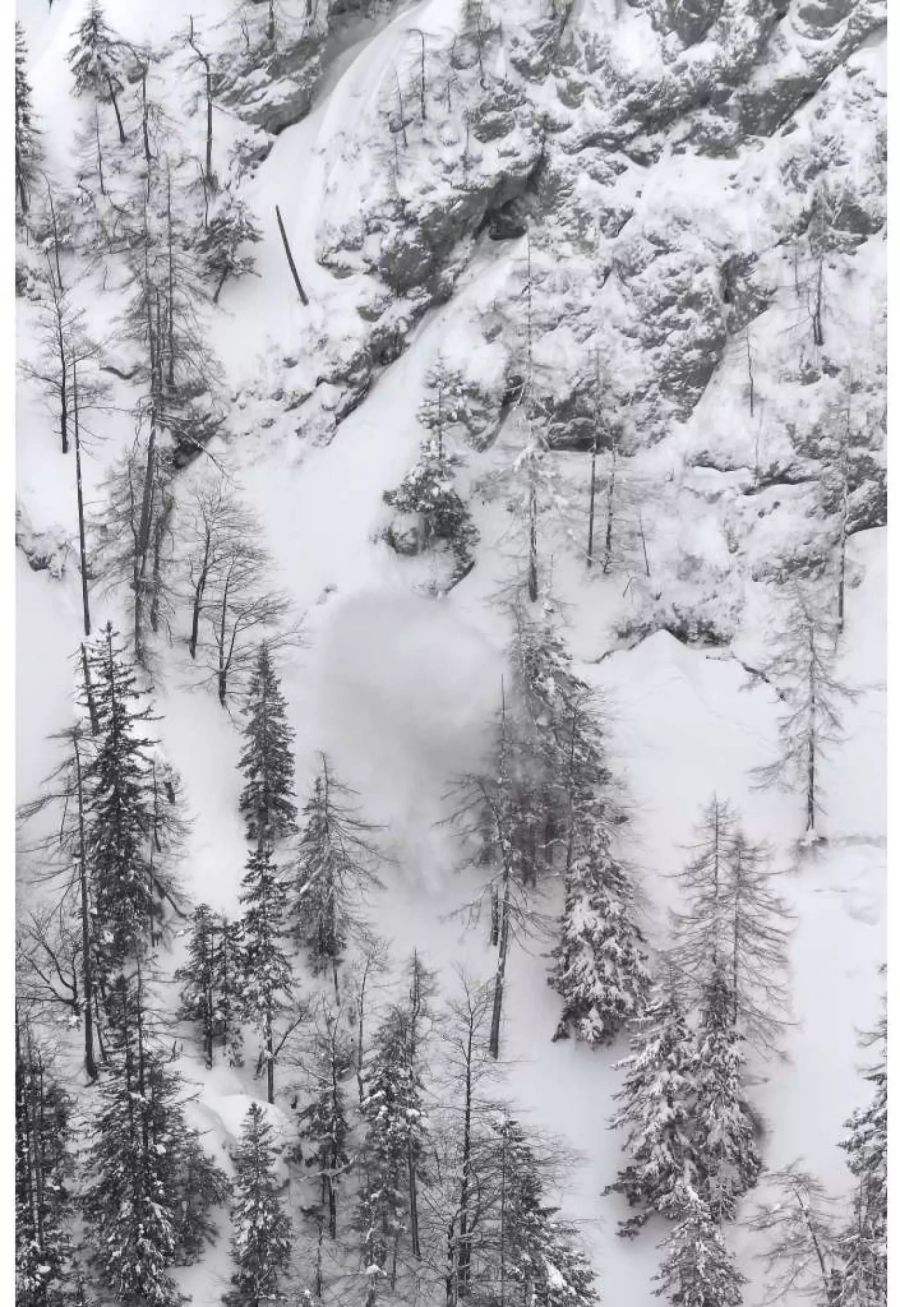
(26, 136)
(865, 1282)
(803, 666)
(337, 863)
(267, 761)
(211, 986)
(802, 1248)
(439, 516)
(230, 228)
(539, 1261)
(43, 1169)
(143, 1158)
(723, 1132)
(466, 1145)
(548, 804)
(396, 1137)
(131, 811)
(657, 1109)
(698, 1269)
(96, 60)
(324, 1123)
(733, 919)
(600, 969)
(262, 1241)
(266, 968)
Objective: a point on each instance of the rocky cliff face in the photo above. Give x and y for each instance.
(670, 213)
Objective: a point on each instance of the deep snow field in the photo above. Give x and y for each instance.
(398, 688)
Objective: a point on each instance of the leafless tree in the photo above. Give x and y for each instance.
(204, 61)
(236, 610)
(64, 343)
(802, 1225)
(803, 668)
(136, 545)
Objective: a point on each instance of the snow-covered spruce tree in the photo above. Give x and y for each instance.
(324, 1124)
(802, 1245)
(265, 964)
(267, 761)
(97, 60)
(132, 823)
(336, 864)
(211, 984)
(733, 918)
(548, 804)
(600, 969)
(143, 1159)
(433, 511)
(197, 1186)
(262, 1242)
(43, 1170)
(723, 1133)
(698, 1269)
(538, 1261)
(865, 1282)
(656, 1109)
(395, 1142)
(803, 667)
(26, 137)
(229, 231)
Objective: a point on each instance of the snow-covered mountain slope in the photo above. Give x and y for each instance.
(667, 230)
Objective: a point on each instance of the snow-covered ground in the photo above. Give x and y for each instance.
(398, 688)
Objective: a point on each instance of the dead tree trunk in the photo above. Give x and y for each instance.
(115, 105)
(290, 258)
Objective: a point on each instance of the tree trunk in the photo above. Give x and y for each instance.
(209, 128)
(145, 127)
(270, 1056)
(500, 975)
(610, 498)
(99, 151)
(464, 1251)
(413, 1202)
(532, 536)
(590, 540)
(143, 542)
(290, 258)
(115, 105)
(811, 743)
(90, 1064)
(818, 333)
(85, 605)
(63, 381)
(89, 692)
(170, 374)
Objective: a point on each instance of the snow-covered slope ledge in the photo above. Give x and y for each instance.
(595, 298)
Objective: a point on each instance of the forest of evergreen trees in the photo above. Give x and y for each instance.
(422, 1181)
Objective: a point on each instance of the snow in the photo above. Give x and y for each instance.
(398, 688)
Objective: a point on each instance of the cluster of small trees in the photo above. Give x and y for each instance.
(547, 807)
(691, 1137)
(178, 241)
